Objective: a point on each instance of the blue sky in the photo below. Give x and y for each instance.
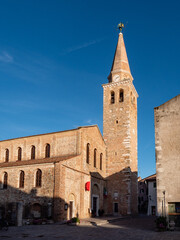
(55, 55)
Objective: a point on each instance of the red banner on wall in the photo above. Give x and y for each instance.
(87, 186)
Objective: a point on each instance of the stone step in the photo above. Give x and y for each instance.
(99, 221)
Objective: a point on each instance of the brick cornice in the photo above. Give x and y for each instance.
(120, 83)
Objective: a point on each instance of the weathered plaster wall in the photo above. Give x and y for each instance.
(152, 195)
(167, 145)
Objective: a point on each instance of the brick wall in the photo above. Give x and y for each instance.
(64, 174)
(120, 135)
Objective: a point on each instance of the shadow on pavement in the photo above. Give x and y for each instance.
(137, 222)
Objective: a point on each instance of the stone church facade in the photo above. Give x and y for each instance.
(77, 172)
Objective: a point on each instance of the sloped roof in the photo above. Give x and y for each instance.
(120, 62)
(36, 161)
(167, 102)
(42, 134)
(149, 178)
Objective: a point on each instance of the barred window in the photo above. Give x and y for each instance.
(101, 157)
(33, 149)
(7, 155)
(121, 95)
(47, 150)
(19, 154)
(38, 178)
(112, 97)
(5, 180)
(87, 152)
(95, 151)
(21, 179)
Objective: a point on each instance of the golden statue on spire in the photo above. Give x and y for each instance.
(120, 26)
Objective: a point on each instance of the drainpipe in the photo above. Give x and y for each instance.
(164, 193)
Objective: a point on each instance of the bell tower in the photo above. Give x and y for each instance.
(120, 134)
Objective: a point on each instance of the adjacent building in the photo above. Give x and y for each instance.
(77, 172)
(147, 200)
(142, 196)
(167, 145)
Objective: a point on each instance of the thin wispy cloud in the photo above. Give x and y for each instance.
(19, 105)
(6, 57)
(35, 68)
(89, 121)
(28, 67)
(84, 45)
(19, 130)
(14, 106)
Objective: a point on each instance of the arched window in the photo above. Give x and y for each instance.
(87, 152)
(121, 95)
(95, 151)
(33, 152)
(101, 157)
(5, 180)
(21, 179)
(131, 98)
(7, 155)
(19, 154)
(112, 97)
(38, 178)
(47, 150)
(37, 210)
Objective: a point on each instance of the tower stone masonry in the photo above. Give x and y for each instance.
(120, 134)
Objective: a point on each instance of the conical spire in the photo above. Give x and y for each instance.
(120, 69)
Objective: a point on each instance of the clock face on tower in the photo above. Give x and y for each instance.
(116, 78)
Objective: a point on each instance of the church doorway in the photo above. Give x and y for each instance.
(71, 206)
(115, 208)
(95, 200)
(95, 205)
(2, 212)
(36, 210)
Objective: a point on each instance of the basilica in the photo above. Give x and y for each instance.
(77, 172)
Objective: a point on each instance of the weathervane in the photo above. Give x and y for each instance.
(120, 26)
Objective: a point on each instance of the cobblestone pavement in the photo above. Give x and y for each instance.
(141, 228)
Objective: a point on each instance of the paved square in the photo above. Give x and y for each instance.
(140, 228)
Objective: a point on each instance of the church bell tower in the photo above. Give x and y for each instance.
(120, 134)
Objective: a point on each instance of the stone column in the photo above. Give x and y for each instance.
(19, 214)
